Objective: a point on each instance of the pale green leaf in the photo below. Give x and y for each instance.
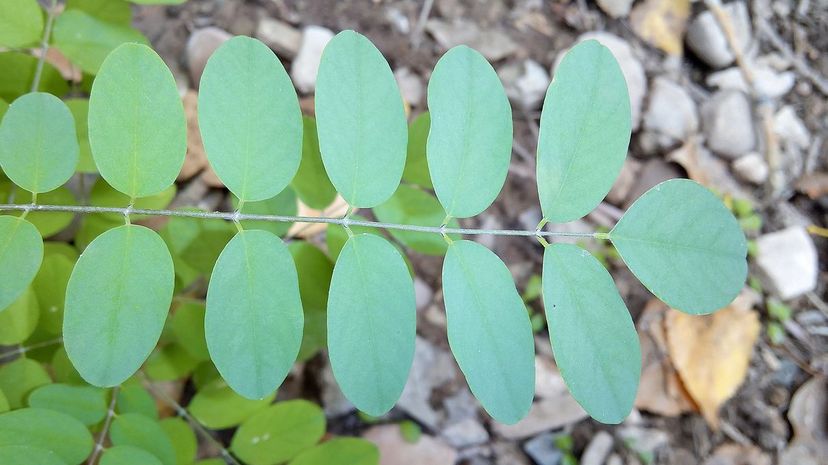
(584, 132)
(137, 129)
(46, 429)
(592, 334)
(684, 245)
(187, 325)
(21, 23)
(311, 182)
(133, 429)
(410, 205)
(63, 370)
(489, 330)
(254, 315)
(216, 406)
(314, 269)
(116, 303)
(361, 121)
(470, 140)
(24, 455)
(18, 75)
(50, 287)
(21, 252)
(169, 363)
(416, 162)
(19, 378)
(249, 119)
(80, 111)
(111, 11)
(19, 320)
(103, 195)
(87, 40)
(371, 323)
(340, 451)
(4, 403)
(283, 204)
(85, 403)
(183, 439)
(38, 144)
(128, 455)
(279, 433)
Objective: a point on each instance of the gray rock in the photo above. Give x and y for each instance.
(494, 44)
(615, 459)
(468, 432)
(751, 168)
(460, 406)
(615, 8)
(787, 262)
(728, 124)
(525, 83)
(643, 440)
(411, 86)
(423, 294)
(280, 36)
(432, 367)
(630, 66)
(305, 66)
(626, 179)
(542, 449)
(707, 40)
(201, 44)
(598, 449)
(653, 172)
(671, 112)
(508, 453)
(334, 402)
(767, 82)
(790, 128)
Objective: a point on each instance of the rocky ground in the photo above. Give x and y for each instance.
(746, 386)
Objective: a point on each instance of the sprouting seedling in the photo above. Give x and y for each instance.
(678, 238)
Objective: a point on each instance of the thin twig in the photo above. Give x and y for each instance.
(23, 349)
(816, 79)
(292, 219)
(51, 12)
(110, 413)
(417, 33)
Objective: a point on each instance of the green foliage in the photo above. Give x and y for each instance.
(410, 431)
(254, 314)
(18, 73)
(19, 378)
(340, 451)
(84, 403)
(19, 320)
(410, 205)
(592, 334)
(279, 433)
(470, 140)
(314, 269)
(46, 429)
(283, 203)
(80, 111)
(21, 252)
(132, 429)
(249, 118)
(584, 132)
(14, 455)
(361, 121)
(416, 161)
(38, 144)
(47, 223)
(21, 23)
(183, 439)
(216, 406)
(86, 40)
(489, 331)
(371, 323)
(50, 287)
(128, 455)
(111, 11)
(311, 182)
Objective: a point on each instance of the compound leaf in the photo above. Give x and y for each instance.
(371, 323)
(21, 23)
(86, 40)
(28, 454)
(311, 183)
(128, 455)
(38, 145)
(584, 132)
(489, 330)
(137, 129)
(216, 406)
(85, 403)
(21, 252)
(250, 120)
(136, 430)
(283, 204)
(254, 315)
(684, 245)
(361, 121)
(340, 451)
(279, 433)
(47, 223)
(592, 334)
(470, 140)
(116, 303)
(46, 429)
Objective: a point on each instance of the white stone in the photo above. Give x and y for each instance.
(423, 294)
(728, 124)
(468, 432)
(395, 450)
(788, 262)
(201, 44)
(751, 168)
(768, 82)
(707, 40)
(304, 68)
(671, 111)
(790, 128)
(432, 368)
(494, 44)
(615, 8)
(280, 36)
(598, 449)
(525, 82)
(411, 86)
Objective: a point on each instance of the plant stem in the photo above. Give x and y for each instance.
(233, 216)
(44, 44)
(110, 413)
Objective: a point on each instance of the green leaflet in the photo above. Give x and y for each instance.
(80, 111)
(3, 107)
(170, 362)
(85, 403)
(314, 269)
(249, 118)
(371, 323)
(216, 406)
(19, 378)
(158, 2)
(137, 129)
(470, 140)
(21, 251)
(4, 403)
(254, 315)
(684, 245)
(489, 330)
(50, 287)
(111, 11)
(38, 144)
(21, 23)
(187, 325)
(103, 195)
(283, 204)
(19, 455)
(410, 205)
(416, 163)
(133, 429)
(183, 439)
(116, 303)
(133, 398)
(592, 334)
(584, 132)
(46, 429)
(18, 75)
(128, 455)
(87, 40)
(311, 182)
(19, 320)
(279, 433)
(361, 121)
(336, 236)
(340, 451)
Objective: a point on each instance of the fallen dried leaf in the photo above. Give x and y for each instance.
(395, 450)
(662, 23)
(814, 185)
(196, 159)
(704, 168)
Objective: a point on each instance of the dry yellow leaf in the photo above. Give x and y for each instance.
(662, 23)
(196, 159)
(712, 352)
